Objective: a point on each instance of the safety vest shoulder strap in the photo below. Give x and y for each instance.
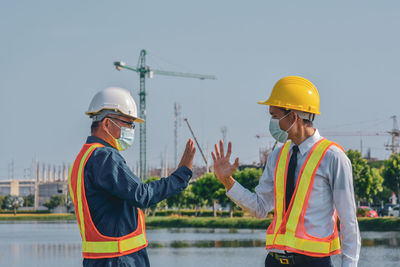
(75, 181)
(280, 171)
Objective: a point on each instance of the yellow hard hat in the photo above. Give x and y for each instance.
(294, 92)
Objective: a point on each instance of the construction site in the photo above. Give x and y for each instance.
(44, 180)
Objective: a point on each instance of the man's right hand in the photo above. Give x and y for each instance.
(223, 169)
(188, 155)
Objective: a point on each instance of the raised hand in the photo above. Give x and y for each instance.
(223, 169)
(188, 155)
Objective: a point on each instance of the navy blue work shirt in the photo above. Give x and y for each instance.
(113, 193)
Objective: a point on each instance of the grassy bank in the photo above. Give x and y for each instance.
(37, 217)
(366, 224)
(379, 224)
(209, 222)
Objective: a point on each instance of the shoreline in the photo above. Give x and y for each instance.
(383, 224)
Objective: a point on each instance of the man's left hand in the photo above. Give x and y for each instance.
(188, 155)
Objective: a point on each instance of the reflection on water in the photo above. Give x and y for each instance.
(209, 244)
(388, 239)
(58, 244)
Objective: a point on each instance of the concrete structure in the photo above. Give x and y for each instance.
(24, 188)
(17, 187)
(47, 190)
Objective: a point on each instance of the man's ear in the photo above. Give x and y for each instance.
(105, 123)
(293, 116)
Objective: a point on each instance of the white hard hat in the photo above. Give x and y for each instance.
(114, 99)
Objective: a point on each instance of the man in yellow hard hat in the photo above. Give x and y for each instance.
(107, 195)
(307, 181)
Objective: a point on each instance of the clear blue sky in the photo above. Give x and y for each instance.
(55, 55)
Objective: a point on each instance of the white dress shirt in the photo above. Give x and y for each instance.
(332, 188)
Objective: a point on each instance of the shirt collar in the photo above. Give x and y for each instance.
(93, 139)
(308, 143)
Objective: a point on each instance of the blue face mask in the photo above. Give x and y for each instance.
(126, 138)
(277, 133)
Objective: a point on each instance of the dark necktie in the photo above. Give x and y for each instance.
(290, 175)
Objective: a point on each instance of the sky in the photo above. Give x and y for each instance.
(55, 55)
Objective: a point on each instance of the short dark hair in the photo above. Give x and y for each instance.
(95, 125)
(308, 123)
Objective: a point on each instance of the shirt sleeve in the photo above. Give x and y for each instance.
(111, 173)
(343, 197)
(262, 200)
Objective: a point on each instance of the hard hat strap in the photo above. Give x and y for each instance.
(305, 115)
(102, 114)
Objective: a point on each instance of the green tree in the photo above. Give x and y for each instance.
(382, 196)
(391, 173)
(29, 200)
(367, 182)
(184, 199)
(206, 190)
(249, 177)
(55, 201)
(2, 201)
(160, 205)
(13, 203)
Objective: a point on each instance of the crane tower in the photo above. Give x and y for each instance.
(143, 70)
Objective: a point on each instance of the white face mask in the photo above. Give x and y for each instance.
(126, 139)
(277, 133)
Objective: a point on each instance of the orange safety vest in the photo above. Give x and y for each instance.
(287, 231)
(94, 244)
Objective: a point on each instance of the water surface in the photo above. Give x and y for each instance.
(48, 244)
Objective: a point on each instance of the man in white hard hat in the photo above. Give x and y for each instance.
(107, 196)
(307, 181)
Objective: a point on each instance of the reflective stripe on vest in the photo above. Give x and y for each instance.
(94, 244)
(287, 231)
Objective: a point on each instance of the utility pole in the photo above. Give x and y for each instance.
(142, 69)
(165, 164)
(395, 133)
(224, 130)
(177, 113)
(142, 114)
(11, 168)
(37, 171)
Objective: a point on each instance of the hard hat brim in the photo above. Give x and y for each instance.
(136, 119)
(268, 103)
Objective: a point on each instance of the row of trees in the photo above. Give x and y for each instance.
(10, 202)
(207, 191)
(373, 183)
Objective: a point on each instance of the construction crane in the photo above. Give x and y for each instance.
(197, 143)
(142, 69)
(394, 147)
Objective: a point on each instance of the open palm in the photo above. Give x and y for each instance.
(223, 169)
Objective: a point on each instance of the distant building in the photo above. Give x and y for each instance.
(47, 190)
(197, 172)
(26, 187)
(21, 188)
